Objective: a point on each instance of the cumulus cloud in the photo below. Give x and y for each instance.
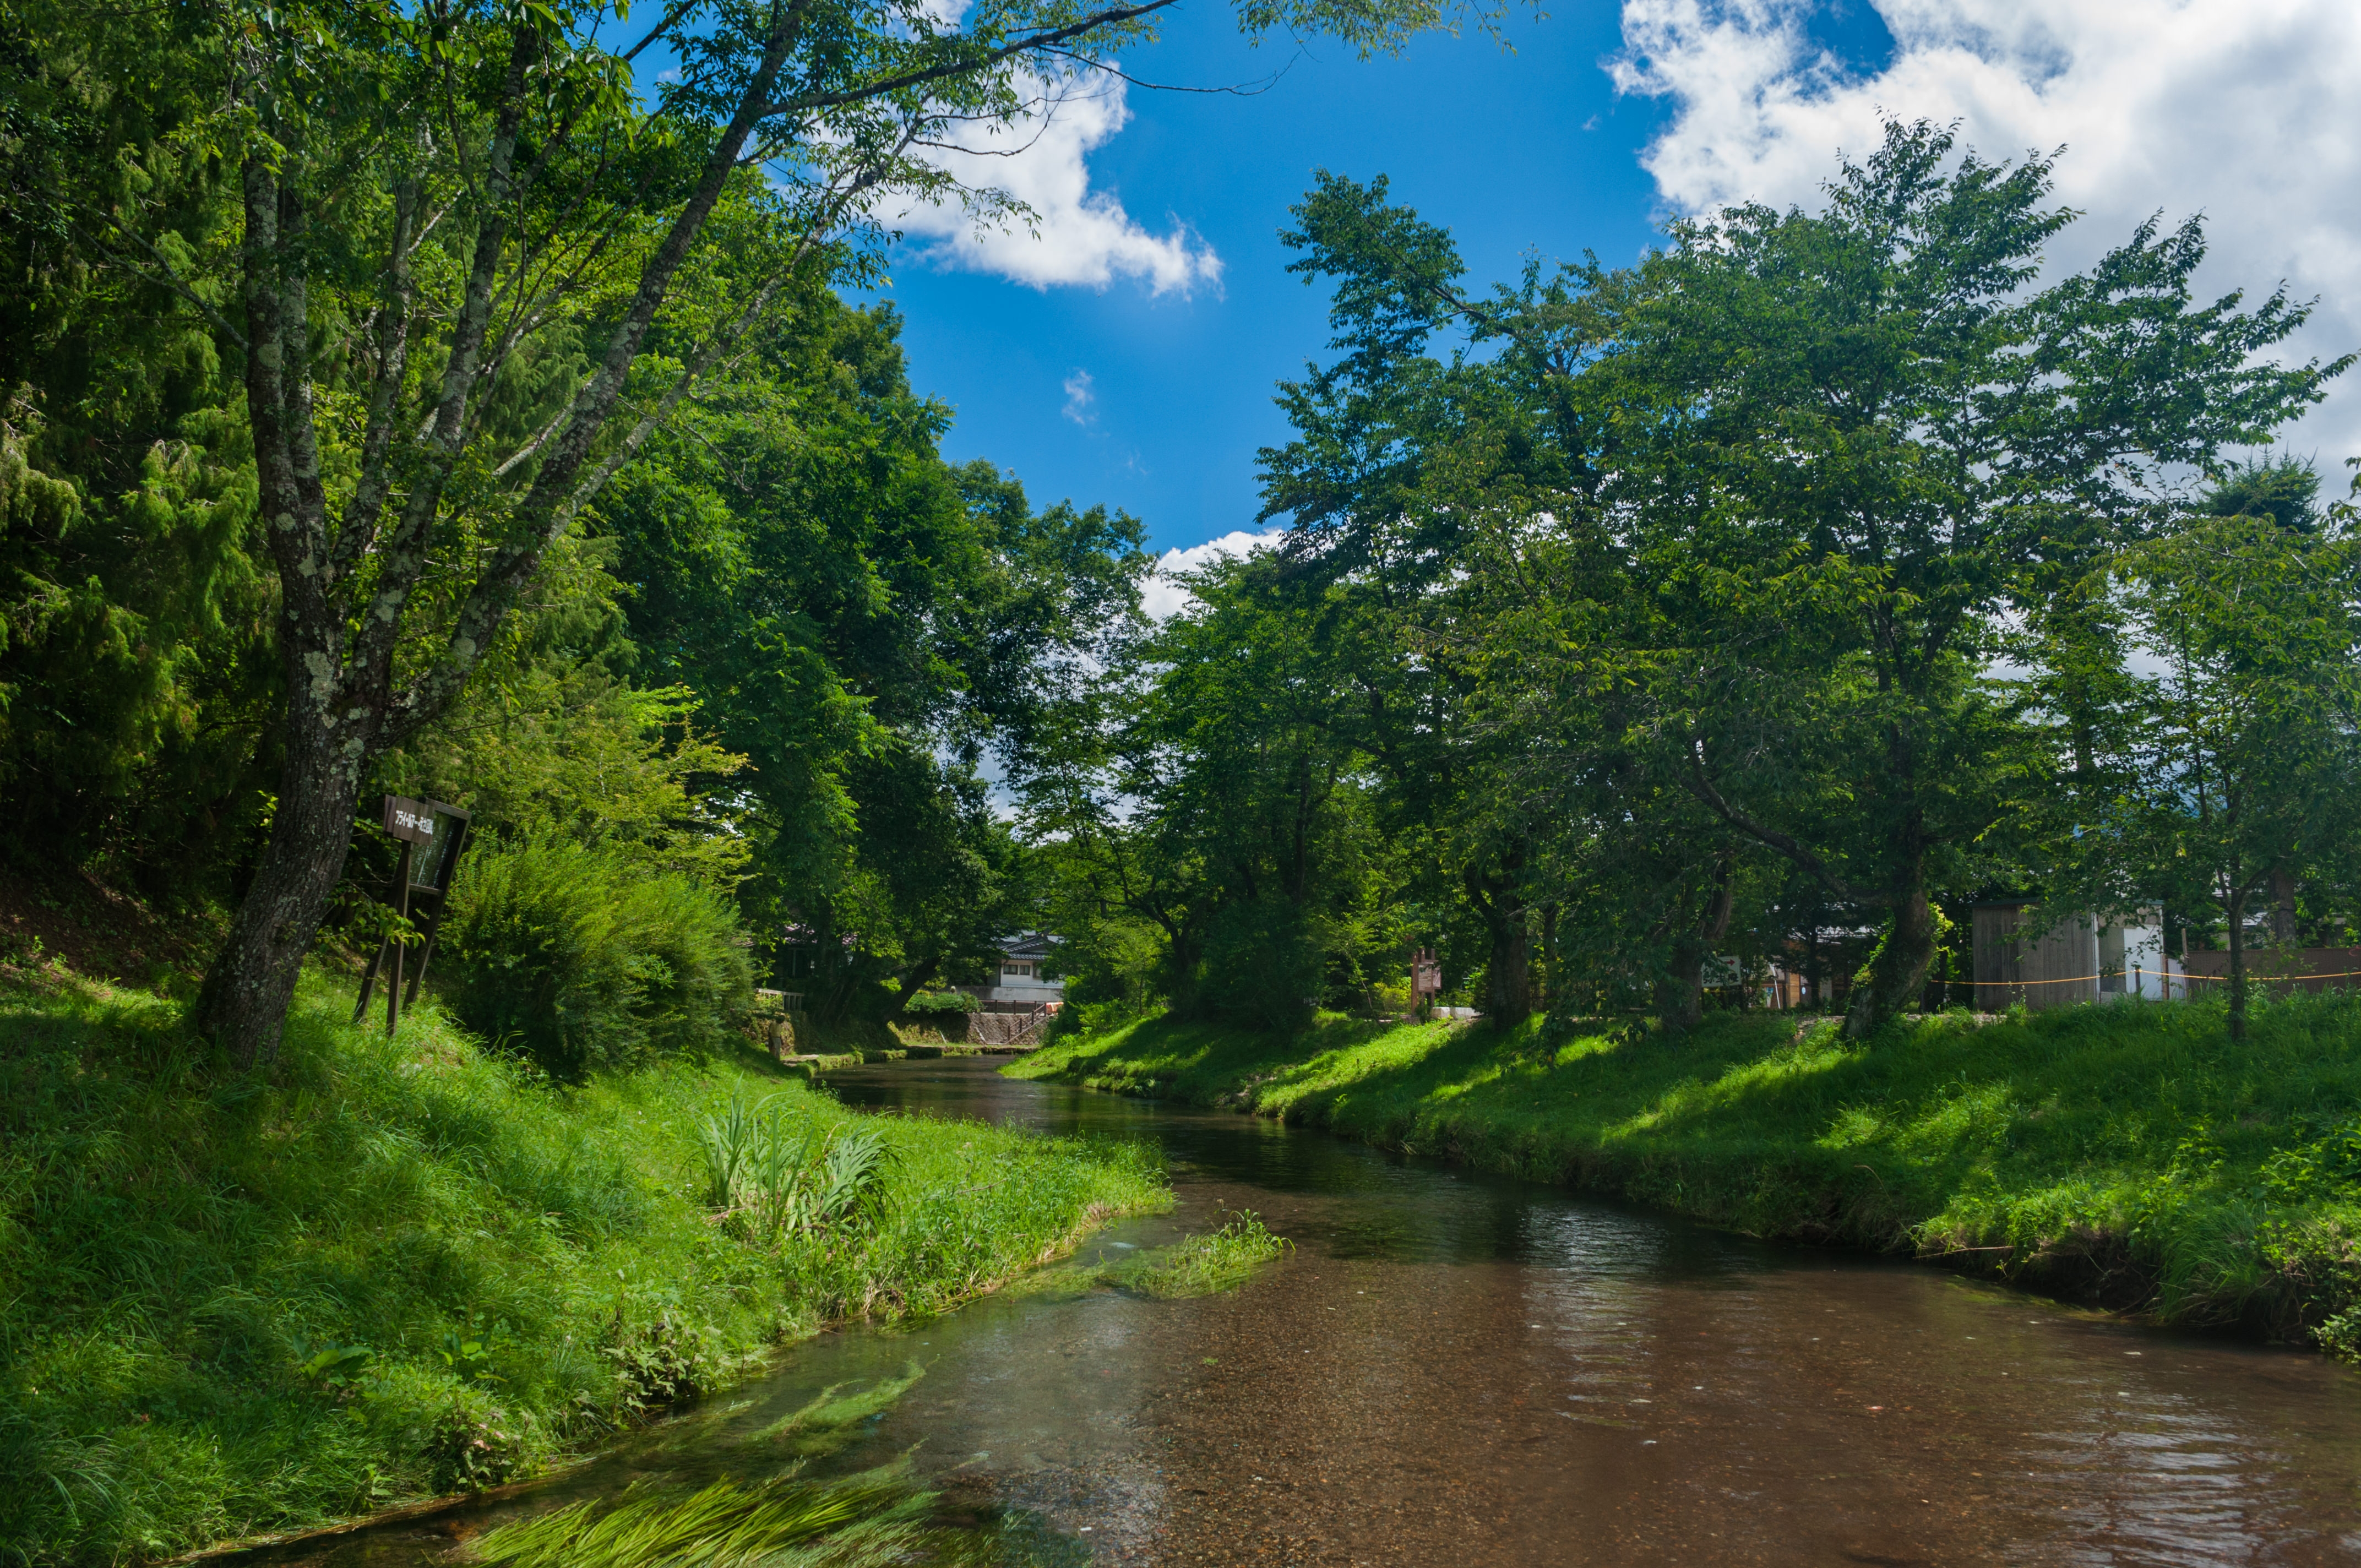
(1080, 398)
(1163, 595)
(2237, 109)
(1076, 234)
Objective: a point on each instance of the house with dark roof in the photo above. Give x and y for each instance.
(1021, 986)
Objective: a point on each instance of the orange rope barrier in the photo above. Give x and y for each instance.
(2252, 974)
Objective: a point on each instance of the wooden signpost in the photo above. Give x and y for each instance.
(441, 832)
(1425, 977)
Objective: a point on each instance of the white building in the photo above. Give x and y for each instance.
(2083, 959)
(1021, 986)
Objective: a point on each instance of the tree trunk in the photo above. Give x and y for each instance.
(1680, 991)
(2236, 909)
(1509, 977)
(1550, 992)
(1898, 974)
(1507, 974)
(243, 1005)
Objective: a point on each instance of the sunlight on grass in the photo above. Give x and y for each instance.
(2127, 1145)
(410, 1266)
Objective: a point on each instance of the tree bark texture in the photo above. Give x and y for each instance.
(1898, 974)
(1680, 991)
(1507, 973)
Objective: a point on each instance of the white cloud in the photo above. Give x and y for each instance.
(2237, 109)
(1162, 595)
(1080, 398)
(1077, 234)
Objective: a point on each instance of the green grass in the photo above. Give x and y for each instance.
(767, 1511)
(231, 1304)
(2127, 1155)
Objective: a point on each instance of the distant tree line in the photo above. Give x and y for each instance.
(1771, 598)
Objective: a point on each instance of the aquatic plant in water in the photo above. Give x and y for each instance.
(1200, 1265)
(783, 1519)
(1193, 1265)
(873, 1518)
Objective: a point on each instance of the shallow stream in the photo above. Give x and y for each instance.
(1451, 1369)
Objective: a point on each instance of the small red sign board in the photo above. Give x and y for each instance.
(1425, 973)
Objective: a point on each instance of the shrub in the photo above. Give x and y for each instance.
(577, 956)
(941, 1002)
(1261, 969)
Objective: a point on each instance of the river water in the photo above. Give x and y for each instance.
(1451, 1369)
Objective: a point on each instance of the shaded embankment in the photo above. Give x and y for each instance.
(2127, 1155)
(235, 1302)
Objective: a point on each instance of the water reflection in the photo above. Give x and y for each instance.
(1454, 1370)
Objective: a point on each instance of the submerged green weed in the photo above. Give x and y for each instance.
(827, 1422)
(877, 1519)
(1193, 1265)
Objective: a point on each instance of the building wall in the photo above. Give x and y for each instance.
(2082, 960)
(2055, 970)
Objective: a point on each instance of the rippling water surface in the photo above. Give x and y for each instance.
(1455, 1370)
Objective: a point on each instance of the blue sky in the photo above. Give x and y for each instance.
(1605, 117)
(1529, 150)
(1126, 352)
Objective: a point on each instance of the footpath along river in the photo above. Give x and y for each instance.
(1455, 1370)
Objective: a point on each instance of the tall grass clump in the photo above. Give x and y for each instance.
(578, 956)
(1200, 1265)
(778, 1175)
(2122, 1153)
(232, 1304)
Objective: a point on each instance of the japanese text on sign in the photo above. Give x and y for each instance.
(408, 820)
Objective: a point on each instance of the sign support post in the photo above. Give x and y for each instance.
(1425, 980)
(413, 823)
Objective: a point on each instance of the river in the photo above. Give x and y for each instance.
(1452, 1369)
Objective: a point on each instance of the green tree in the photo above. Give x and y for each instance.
(866, 624)
(1866, 435)
(2238, 765)
(1214, 792)
(468, 278)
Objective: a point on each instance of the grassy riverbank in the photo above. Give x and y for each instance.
(2126, 1154)
(230, 1305)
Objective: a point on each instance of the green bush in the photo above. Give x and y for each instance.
(1261, 969)
(578, 956)
(941, 1002)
